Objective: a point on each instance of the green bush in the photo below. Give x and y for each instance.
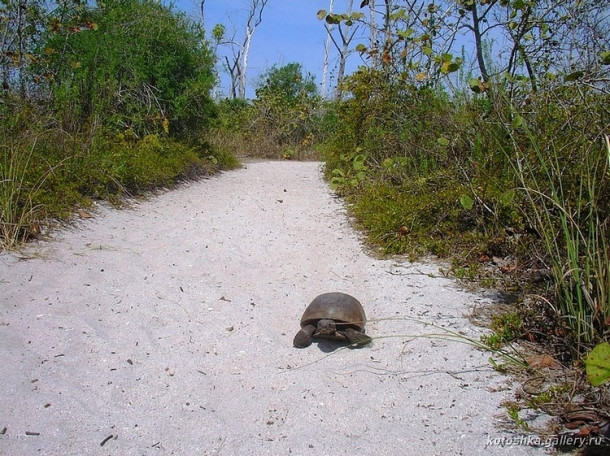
(282, 122)
(476, 177)
(131, 65)
(111, 100)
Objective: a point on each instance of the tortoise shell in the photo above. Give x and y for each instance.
(342, 308)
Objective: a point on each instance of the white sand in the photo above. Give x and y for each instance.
(169, 327)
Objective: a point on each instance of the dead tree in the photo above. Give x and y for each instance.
(327, 51)
(255, 17)
(346, 31)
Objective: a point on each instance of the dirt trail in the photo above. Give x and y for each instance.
(167, 329)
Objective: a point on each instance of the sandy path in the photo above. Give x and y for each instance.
(169, 327)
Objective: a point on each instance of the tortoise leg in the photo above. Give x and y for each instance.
(357, 338)
(303, 337)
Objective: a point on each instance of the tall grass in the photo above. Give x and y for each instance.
(565, 203)
(19, 215)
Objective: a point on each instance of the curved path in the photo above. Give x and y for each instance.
(167, 328)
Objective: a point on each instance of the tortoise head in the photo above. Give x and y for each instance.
(326, 328)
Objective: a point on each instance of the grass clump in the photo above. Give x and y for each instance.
(554, 394)
(566, 189)
(46, 178)
(513, 410)
(506, 328)
(19, 217)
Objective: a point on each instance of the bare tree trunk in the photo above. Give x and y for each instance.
(202, 12)
(21, 8)
(387, 27)
(341, 70)
(255, 17)
(234, 72)
(326, 53)
(374, 32)
(518, 49)
(346, 39)
(476, 29)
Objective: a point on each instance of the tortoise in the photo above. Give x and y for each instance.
(333, 315)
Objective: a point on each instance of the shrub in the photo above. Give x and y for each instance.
(131, 65)
(282, 122)
(477, 177)
(98, 102)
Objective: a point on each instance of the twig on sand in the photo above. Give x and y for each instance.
(222, 443)
(103, 442)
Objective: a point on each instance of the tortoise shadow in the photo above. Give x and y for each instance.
(331, 345)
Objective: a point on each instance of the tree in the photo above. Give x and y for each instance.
(539, 37)
(374, 43)
(255, 17)
(559, 36)
(346, 27)
(22, 27)
(284, 113)
(237, 63)
(288, 82)
(327, 52)
(521, 42)
(479, 18)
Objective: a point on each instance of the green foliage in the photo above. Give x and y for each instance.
(410, 216)
(135, 65)
(218, 32)
(46, 176)
(598, 364)
(409, 193)
(333, 19)
(506, 328)
(288, 83)
(98, 102)
(374, 118)
(513, 409)
(148, 163)
(282, 122)
(353, 174)
(557, 393)
(474, 176)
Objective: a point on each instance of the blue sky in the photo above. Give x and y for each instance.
(289, 32)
